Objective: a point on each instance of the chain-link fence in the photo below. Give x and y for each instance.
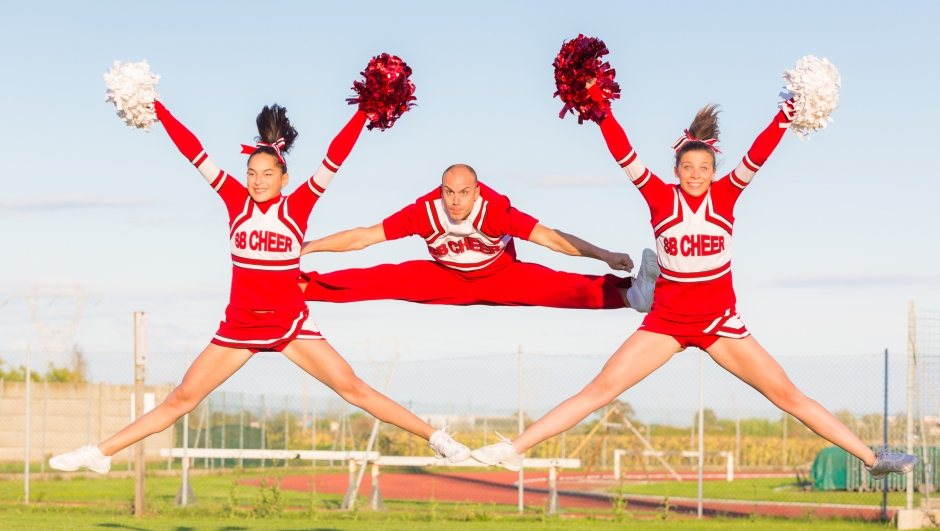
(272, 404)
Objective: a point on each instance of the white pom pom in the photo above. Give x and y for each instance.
(814, 86)
(132, 89)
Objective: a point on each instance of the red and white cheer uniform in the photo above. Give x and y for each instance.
(694, 298)
(474, 262)
(266, 310)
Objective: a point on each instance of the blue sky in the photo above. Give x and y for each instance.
(833, 238)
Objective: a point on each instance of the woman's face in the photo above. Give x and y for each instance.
(265, 178)
(696, 171)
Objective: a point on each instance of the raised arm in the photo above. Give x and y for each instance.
(573, 246)
(347, 240)
(761, 149)
(190, 147)
(304, 197)
(652, 188)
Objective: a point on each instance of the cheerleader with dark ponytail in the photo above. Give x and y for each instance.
(694, 303)
(267, 312)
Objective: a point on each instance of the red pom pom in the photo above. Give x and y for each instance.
(578, 62)
(386, 93)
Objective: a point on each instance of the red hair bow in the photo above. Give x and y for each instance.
(677, 145)
(276, 146)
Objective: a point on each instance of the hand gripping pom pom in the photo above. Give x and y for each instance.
(132, 89)
(578, 62)
(386, 92)
(814, 87)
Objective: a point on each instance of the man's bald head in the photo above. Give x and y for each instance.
(459, 190)
(458, 170)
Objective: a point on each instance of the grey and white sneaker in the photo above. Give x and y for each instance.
(444, 445)
(89, 457)
(499, 454)
(640, 294)
(887, 462)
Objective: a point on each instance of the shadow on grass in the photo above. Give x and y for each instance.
(225, 528)
(132, 528)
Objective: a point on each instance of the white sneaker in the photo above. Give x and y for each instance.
(640, 294)
(444, 445)
(89, 457)
(887, 462)
(500, 454)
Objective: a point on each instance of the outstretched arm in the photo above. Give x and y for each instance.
(306, 195)
(573, 246)
(762, 147)
(190, 147)
(347, 240)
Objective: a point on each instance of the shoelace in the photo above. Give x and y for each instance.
(501, 438)
(883, 453)
(448, 435)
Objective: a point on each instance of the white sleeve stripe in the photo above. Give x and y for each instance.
(208, 169)
(625, 159)
(751, 163)
(323, 177)
(201, 153)
(636, 171)
(222, 177)
(743, 174)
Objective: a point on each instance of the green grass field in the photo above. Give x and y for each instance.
(224, 505)
(770, 489)
(39, 519)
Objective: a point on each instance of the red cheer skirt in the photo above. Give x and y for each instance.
(264, 331)
(700, 333)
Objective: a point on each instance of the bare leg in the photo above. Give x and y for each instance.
(747, 360)
(212, 367)
(320, 360)
(640, 355)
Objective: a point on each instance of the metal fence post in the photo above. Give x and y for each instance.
(241, 427)
(737, 431)
(28, 399)
(264, 422)
(184, 493)
(286, 426)
(88, 415)
(207, 462)
(910, 398)
(313, 425)
(521, 429)
(224, 422)
(884, 482)
(701, 427)
(42, 444)
(140, 372)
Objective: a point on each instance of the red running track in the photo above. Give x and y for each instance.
(497, 487)
(472, 487)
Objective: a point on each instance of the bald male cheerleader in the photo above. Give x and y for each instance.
(469, 229)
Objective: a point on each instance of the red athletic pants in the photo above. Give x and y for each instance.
(427, 282)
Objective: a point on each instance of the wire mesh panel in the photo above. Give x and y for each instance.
(272, 404)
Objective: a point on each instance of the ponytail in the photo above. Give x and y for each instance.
(273, 125)
(704, 127)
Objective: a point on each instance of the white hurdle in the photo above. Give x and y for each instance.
(729, 474)
(378, 461)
